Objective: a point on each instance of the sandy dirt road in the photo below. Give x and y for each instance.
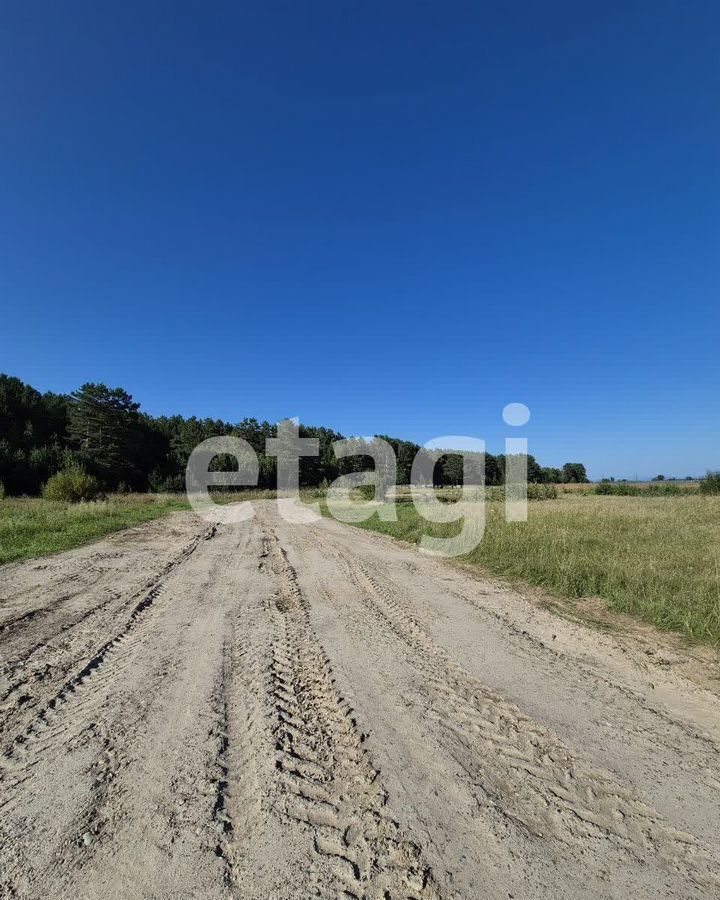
(271, 710)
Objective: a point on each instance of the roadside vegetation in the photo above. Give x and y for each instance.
(655, 489)
(34, 526)
(450, 495)
(37, 526)
(653, 557)
(710, 483)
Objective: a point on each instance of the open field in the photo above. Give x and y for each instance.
(293, 710)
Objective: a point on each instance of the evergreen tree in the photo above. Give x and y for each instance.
(104, 427)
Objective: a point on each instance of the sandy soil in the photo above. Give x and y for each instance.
(270, 710)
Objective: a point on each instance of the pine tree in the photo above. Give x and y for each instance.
(104, 426)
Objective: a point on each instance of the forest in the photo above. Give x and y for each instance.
(103, 431)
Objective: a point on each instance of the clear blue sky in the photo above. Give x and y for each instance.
(379, 216)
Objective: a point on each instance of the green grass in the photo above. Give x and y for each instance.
(656, 558)
(33, 526)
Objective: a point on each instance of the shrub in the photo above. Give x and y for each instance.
(656, 489)
(72, 486)
(607, 487)
(710, 484)
(542, 492)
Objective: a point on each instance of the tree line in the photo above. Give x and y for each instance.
(103, 431)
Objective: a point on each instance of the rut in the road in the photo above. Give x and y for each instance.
(330, 782)
(239, 788)
(21, 750)
(522, 770)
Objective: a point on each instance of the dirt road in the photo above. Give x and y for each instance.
(284, 711)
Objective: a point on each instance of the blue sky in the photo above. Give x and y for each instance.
(384, 217)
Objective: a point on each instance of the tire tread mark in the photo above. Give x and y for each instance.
(72, 688)
(523, 770)
(329, 781)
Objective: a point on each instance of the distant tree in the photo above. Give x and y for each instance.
(424, 466)
(549, 475)
(659, 478)
(313, 469)
(449, 469)
(574, 473)
(255, 433)
(534, 472)
(492, 471)
(385, 466)
(404, 454)
(102, 430)
(32, 434)
(406, 451)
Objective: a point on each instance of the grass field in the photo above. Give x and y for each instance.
(653, 557)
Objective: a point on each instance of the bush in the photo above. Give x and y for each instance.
(542, 492)
(711, 483)
(72, 486)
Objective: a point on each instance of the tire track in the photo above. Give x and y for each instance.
(19, 664)
(20, 751)
(200, 745)
(522, 770)
(64, 589)
(328, 779)
(238, 806)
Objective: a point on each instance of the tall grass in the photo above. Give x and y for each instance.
(656, 489)
(403, 494)
(655, 558)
